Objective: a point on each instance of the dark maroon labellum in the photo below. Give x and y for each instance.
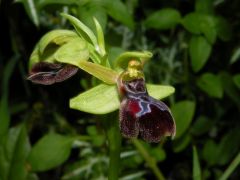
(49, 73)
(142, 114)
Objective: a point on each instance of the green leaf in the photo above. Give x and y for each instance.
(228, 146)
(73, 52)
(235, 56)
(204, 6)
(13, 154)
(200, 51)
(181, 143)
(100, 37)
(82, 30)
(97, 138)
(158, 153)
(57, 37)
(31, 10)
(197, 23)
(104, 98)
(209, 153)
(208, 28)
(191, 22)
(229, 87)
(42, 3)
(223, 28)
(236, 80)
(163, 19)
(234, 164)
(183, 113)
(196, 165)
(118, 11)
(93, 9)
(211, 84)
(4, 106)
(49, 152)
(201, 126)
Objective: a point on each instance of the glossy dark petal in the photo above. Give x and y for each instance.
(142, 114)
(49, 73)
(45, 67)
(66, 72)
(44, 78)
(129, 126)
(155, 120)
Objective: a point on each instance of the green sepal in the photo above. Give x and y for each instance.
(101, 99)
(49, 44)
(57, 37)
(34, 57)
(72, 52)
(160, 91)
(104, 98)
(122, 60)
(105, 74)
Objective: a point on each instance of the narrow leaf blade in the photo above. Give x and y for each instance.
(100, 37)
(31, 10)
(82, 29)
(4, 107)
(196, 165)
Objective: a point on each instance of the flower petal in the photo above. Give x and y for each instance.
(155, 120)
(49, 73)
(128, 121)
(66, 72)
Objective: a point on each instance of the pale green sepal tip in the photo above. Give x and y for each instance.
(160, 91)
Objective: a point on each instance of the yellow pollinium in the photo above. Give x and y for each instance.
(134, 71)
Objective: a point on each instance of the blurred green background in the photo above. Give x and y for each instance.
(196, 49)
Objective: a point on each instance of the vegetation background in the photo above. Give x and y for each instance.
(196, 49)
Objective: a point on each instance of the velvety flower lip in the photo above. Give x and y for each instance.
(46, 73)
(142, 114)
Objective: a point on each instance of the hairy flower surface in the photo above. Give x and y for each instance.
(139, 112)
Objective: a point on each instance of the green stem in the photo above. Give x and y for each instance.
(114, 143)
(150, 160)
(231, 167)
